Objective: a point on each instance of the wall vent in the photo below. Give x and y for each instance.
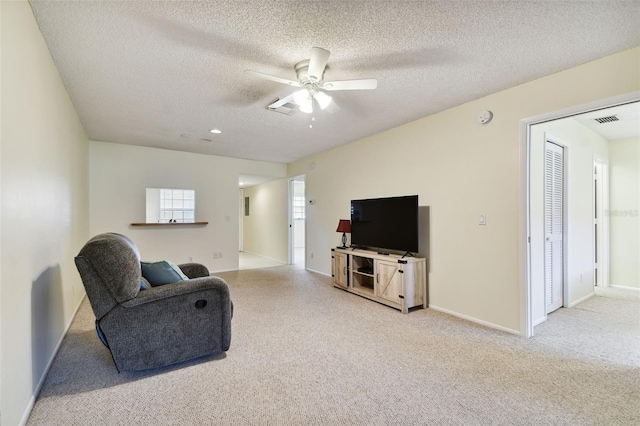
(287, 109)
(608, 119)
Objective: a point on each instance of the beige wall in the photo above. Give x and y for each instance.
(120, 175)
(460, 169)
(44, 210)
(624, 178)
(266, 227)
(582, 145)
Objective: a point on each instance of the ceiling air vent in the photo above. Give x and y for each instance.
(288, 109)
(608, 119)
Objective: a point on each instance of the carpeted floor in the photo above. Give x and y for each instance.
(303, 352)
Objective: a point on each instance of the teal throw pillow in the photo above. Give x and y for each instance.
(145, 284)
(161, 273)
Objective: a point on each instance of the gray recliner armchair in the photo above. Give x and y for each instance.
(159, 326)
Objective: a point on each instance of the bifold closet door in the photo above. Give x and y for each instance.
(553, 225)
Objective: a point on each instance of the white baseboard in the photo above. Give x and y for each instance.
(222, 270)
(32, 401)
(265, 257)
(475, 320)
(318, 272)
(625, 288)
(582, 299)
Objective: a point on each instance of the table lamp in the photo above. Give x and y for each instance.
(344, 226)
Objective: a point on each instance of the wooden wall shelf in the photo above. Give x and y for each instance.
(170, 224)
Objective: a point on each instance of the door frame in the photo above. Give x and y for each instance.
(241, 219)
(526, 320)
(601, 209)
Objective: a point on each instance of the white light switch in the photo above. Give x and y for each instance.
(483, 219)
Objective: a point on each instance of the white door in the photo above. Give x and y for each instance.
(241, 219)
(553, 225)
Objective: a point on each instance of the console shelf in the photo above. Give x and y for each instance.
(395, 281)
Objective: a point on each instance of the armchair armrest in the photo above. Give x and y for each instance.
(194, 270)
(154, 294)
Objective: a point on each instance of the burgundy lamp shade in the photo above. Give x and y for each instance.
(344, 226)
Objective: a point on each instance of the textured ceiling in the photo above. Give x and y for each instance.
(163, 73)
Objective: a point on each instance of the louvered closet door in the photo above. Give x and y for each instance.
(553, 225)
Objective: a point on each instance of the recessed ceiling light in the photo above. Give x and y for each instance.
(215, 131)
(241, 183)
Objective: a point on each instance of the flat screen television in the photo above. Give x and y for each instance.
(385, 223)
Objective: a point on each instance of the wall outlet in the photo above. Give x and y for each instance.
(215, 254)
(311, 255)
(219, 255)
(190, 259)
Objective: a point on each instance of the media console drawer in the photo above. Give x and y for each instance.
(393, 280)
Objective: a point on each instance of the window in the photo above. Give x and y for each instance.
(170, 205)
(298, 208)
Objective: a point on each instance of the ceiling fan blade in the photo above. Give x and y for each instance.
(317, 63)
(280, 102)
(365, 84)
(274, 78)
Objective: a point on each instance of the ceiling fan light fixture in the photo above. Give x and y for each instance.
(307, 107)
(323, 99)
(304, 99)
(301, 97)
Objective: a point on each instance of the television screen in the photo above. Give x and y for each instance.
(385, 223)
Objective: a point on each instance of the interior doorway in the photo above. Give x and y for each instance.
(589, 251)
(297, 221)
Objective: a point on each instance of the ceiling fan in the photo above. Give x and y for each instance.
(310, 75)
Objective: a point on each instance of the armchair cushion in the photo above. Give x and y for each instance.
(163, 272)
